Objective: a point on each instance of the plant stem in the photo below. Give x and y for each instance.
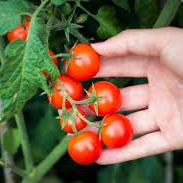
(169, 167)
(24, 141)
(168, 13)
(8, 173)
(78, 35)
(61, 55)
(15, 169)
(43, 3)
(47, 163)
(2, 56)
(89, 13)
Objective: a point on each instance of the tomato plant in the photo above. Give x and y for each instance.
(111, 98)
(85, 148)
(28, 29)
(116, 131)
(73, 88)
(85, 62)
(78, 122)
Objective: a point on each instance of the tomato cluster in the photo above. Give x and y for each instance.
(103, 98)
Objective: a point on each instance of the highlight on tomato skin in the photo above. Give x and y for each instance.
(20, 32)
(85, 148)
(116, 131)
(85, 62)
(111, 100)
(79, 123)
(73, 88)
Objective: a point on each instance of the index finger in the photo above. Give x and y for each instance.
(146, 42)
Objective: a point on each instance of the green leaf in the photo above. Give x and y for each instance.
(147, 11)
(11, 140)
(21, 75)
(109, 25)
(123, 4)
(58, 2)
(10, 14)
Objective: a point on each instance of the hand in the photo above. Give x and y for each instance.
(158, 55)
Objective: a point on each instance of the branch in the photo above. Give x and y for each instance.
(48, 162)
(15, 169)
(24, 141)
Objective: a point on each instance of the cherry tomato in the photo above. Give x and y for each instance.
(20, 32)
(54, 60)
(85, 62)
(79, 123)
(111, 98)
(117, 131)
(85, 148)
(73, 88)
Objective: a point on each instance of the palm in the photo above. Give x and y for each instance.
(165, 102)
(159, 121)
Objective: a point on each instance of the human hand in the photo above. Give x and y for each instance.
(158, 55)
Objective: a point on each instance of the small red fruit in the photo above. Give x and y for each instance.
(117, 131)
(79, 123)
(73, 88)
(85, 62)
(111, 98)
(20, 32)
(85, 148)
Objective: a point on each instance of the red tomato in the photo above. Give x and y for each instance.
(117, 131)
(85, 62)
(20, 32)
(54, 60)
(85, 148)
(73, 88)
(111, 101)
(79, 123)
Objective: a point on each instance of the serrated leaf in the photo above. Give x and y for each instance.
(123, 4)
(109, 25)
(10, 14)
(58, 2)
(11, 140)
(21, 75)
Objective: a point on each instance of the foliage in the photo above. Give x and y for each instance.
(57, 25)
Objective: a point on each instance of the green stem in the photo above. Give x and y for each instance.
(168, 13)
(61, 55)
(43, 3)
(78, 35)
(87, 12)
(15, 169)
(24, 141)
(2, 56)
(47, 163)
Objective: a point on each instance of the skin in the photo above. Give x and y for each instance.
(156, 54)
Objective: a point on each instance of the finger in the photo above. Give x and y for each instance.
(128, 66)
(147, 42)
(150, 144)
(135, 97)
(143, 122)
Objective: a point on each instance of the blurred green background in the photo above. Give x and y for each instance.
(44, 130)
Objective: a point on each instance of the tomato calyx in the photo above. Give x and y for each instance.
(66, 115)
(93, 98)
